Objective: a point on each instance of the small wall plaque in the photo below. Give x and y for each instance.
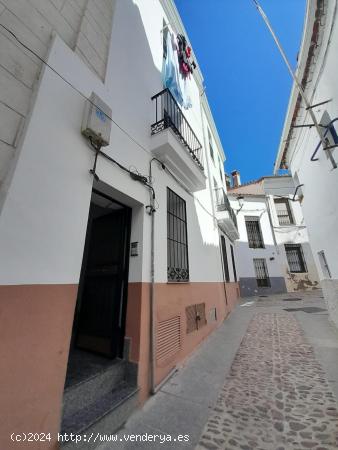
(134, 249)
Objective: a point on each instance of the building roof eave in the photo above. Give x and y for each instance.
(309, 39)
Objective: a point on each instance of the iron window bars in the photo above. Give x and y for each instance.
(284, 213)
(223, 204)
(168, 114)
(255, 238)
(177, 242)
(262, 275)
(295, 257)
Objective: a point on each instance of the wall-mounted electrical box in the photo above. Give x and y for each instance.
(96, 123)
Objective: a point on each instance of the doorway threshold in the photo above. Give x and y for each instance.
(83, 365)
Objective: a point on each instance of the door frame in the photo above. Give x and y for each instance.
(125, 279)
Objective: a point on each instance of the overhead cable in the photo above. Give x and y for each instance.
(109, 118)
(73, 87)
(293, 75)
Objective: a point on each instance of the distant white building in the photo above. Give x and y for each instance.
(273, 253)
(313, 168)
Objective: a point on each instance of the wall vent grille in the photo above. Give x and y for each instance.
(168, 338)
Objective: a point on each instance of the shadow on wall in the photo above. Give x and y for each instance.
(133, 75)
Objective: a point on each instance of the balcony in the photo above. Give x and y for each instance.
(225, 215)
(175, 143)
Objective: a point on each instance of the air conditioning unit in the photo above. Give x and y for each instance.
(96, 122)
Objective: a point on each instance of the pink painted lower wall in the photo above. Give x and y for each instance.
(171, 301)
(35, 330)
(138, 330)
(233, 294)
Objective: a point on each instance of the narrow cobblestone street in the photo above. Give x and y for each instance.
(267, 379)
(276, 395)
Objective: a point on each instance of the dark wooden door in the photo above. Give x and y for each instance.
(103, 286)
(225, 259)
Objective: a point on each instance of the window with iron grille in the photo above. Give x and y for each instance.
(177, 242)
(295, 258)
(255, 238)
(210, 145)
(262, 276)
(284, 213)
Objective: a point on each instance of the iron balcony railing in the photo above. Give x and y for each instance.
(223, 204)
(169, 115)
(284, 218)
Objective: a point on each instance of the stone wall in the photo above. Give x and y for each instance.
(84, 25)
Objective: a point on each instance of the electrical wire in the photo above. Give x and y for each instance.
(297, 147)
(73, 87)
(134, 174)
(166, 169)
(190, 193)
(293, 75)
(105, 155)
(250, 210)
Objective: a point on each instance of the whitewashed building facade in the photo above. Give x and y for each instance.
(119, 253)
(313, 168)
(273, 253)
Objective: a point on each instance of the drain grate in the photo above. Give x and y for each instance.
(306, 309)
(292, 299)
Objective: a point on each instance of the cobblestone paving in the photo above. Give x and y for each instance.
(276, 396)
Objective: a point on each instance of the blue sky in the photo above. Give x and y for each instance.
(247, 82)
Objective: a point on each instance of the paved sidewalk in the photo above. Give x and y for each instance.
(280, 373)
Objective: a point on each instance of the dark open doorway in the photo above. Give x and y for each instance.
(99, 323)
